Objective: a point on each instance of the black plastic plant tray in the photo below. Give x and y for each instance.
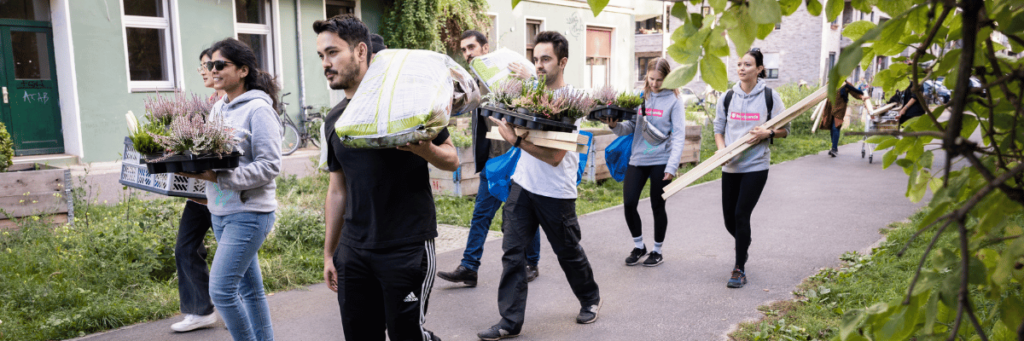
(610, 111)
(192, 164)
(526, 120)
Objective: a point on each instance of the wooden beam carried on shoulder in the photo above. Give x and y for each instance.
(543, 142)
(738, 146)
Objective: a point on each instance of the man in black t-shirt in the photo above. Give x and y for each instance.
(380, 216)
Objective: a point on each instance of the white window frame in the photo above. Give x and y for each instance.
(172, 47)
(526, 31)
(777, 66)
(271, 29)
(610, 77)
(492, 42)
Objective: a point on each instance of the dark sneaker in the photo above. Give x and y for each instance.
(429, 335)
(495, 333)
(739, 278)
(634, 256)
(460, 275)
(588, 314)
(654, 259)
(832, 153)
(531, 273)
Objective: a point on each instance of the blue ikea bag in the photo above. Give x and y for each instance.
(499, 173)
(616, 156)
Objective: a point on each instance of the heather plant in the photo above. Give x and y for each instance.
(605, 95)
(628, 100)
(200, 135)
(506, 91)
(578, 104)
(550, 106)
(165, 109)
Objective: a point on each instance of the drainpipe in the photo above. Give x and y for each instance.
(302, 69)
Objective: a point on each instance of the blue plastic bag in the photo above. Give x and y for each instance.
(499, 173)
(616, 156)
(583, 156)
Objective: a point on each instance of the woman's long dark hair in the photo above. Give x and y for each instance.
(241, 55)
(758, 61)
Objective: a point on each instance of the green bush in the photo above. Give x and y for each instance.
(6, 149)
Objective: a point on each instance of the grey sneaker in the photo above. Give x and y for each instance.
(495, 333)
(588, 314)
(531, 273)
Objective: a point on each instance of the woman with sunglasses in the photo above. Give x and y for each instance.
(189, 251)
(746, 107)
(242, 200)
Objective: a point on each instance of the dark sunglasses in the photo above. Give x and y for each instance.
(217, 65)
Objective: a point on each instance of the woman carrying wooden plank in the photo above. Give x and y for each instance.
(658, 137)
(744, 109)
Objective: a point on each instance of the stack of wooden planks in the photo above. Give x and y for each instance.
(550, 139)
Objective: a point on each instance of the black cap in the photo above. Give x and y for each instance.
(378, 43)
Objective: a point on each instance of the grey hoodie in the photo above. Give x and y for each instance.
(747, 111)
(666, 113)
(251, 186)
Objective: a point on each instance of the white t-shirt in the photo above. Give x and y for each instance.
(541, 178)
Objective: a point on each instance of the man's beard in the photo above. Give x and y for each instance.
(346, 77)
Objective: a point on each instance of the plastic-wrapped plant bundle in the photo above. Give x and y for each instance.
(405, 96)
(605, 95)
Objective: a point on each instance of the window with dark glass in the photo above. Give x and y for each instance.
(36, 10)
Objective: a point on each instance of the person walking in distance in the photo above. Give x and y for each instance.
(380, 215)
(475, 44)
(543, 192)
(658, 137)
(836, 112)
(242, 200)
(189, 251)
(746, 107)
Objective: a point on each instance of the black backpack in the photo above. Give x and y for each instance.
(768, 100)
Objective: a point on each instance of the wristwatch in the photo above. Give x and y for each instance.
(771, 134)
(519, 139)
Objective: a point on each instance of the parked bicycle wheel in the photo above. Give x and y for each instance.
(290, 141)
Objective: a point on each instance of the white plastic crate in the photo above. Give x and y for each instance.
(134, 174)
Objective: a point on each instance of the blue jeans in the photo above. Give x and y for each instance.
(236, 285)
(835, 137)
(486, 206)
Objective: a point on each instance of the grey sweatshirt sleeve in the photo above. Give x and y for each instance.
(678, 117)
(721, 116)
(779, 108)
(624, 128)
(265, 143)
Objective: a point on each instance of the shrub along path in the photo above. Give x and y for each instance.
(812, 211)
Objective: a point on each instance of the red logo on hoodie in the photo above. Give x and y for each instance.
(752, 116)
(652, 112)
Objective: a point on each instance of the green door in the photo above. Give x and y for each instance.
(30, 107)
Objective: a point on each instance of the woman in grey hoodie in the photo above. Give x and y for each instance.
(242, 200)
(658, 137)
(744, 176)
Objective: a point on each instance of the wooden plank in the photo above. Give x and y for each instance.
(53, 219)
(693, 132)
(819, 112)
(553, 135)
(883, 109)
(36, 181)
(741, 144)
(32, 204)
(567, 146)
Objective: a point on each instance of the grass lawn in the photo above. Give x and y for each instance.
(115, 266)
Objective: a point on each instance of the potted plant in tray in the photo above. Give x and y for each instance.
(618, 106)
(196, 143)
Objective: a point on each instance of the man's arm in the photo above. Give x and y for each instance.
(334, 207)
(550, 156)
(443, 156)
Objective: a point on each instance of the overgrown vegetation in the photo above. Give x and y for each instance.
(435, 25)
(6, 149)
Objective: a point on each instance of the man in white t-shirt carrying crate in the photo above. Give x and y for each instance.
(543, 192)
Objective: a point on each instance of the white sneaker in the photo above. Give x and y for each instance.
(193, 322)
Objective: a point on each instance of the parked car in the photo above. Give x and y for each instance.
(936, 91)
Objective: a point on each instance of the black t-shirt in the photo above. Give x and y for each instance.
(846, 89)
(915, 110)
(388, 201)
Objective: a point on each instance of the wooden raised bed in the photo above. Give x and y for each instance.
(34, 189)
(464, 181)
(596, 168)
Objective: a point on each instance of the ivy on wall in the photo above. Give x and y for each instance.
(434, 25)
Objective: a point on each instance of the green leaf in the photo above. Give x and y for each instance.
(904, 144)
(1011, 256)
(742, 30)
(888, 159)
(862, 5)
(515, 3)
(847, 62)
(595, 5)
(833, 8)
(679, 11)
(789, 6)
(718, 5)
(894, 7)
(1011, 310)
(877, 139)
(851, 322)
(813, 7)
(716, 43)
(917, 20)
(764, 30)
(681, 76)
(931, 312)
(970, 123)
(857, 29)
(888, 44)
(933, 215)
(891, 141)
(713, 72)
(766, 11)
(920, 186)
(901, 324)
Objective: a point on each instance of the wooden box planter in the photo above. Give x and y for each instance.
(34, 189)
(135, 174)
(463, 181)
(596, 168)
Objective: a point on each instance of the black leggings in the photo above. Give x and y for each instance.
(740, 192)
(636, 178)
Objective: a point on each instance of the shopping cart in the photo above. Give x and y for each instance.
(886, 122)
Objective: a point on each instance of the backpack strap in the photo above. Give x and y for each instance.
(769, 102)
(726, 100)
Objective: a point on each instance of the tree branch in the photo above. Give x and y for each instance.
(1014, 194)
(896, 133)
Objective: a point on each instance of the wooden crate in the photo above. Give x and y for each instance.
(597, 169)
(33, 189)
(464, 181)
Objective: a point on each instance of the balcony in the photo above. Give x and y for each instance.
(649, 42)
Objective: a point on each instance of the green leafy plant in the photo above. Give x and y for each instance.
(628, 100)
(6, 149)
(461, 137)
(435, 25)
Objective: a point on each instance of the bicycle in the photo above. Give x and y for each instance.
(294, 138)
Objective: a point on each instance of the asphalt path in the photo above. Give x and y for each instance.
(813, 209)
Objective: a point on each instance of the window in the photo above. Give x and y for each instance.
(705, 11)
(771, 65)
(148, 36)
(338, 7)
(533, 27)
(599, 47)
(254, 27)
(831, 61)
(641, 64)
(651, 25)
(37, 10)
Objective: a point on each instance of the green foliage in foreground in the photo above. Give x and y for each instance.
(817, 313)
